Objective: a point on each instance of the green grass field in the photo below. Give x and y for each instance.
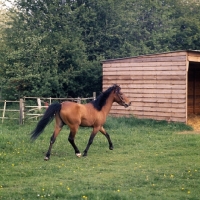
(149, 161)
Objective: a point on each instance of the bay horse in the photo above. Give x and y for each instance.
(92, 114)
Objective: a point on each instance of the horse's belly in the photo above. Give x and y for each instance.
(86, 122)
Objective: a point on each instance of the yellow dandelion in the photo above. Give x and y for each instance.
(60, 183)
(13, 165)
(118, 190)
(188, 192)
(172, 176)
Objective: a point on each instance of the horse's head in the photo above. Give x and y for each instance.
(120, 97)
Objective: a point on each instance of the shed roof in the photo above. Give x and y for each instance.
(187, 51)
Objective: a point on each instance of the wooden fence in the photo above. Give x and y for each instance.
(32, 107)
(4, 110)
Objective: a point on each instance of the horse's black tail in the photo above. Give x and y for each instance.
(46, 119)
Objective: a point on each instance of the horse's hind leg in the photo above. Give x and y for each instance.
(58, 127)
(52, 140)
(103, 131)
(71, 140)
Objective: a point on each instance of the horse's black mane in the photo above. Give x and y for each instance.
(101, 99)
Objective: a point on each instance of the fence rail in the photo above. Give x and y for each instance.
(8, 110)
(25, 110)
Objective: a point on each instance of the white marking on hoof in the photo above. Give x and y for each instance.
(46, 158)
(78, 155)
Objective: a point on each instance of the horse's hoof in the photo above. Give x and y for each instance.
(46, 158)
(78, 155)
(85, 154)
(111, 148)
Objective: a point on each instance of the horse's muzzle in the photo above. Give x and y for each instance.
(126, 105)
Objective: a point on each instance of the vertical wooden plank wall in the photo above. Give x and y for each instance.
(156, 84)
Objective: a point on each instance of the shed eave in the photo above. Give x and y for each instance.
(187, 51)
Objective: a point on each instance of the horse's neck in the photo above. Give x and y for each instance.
(106, 108)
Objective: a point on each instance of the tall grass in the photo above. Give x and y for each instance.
(149, 161)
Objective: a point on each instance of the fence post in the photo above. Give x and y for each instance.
(21, 111)
(79, 100)
(4, 110)
(94, 95)
(39, 104)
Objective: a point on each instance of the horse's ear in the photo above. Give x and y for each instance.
(116, 88)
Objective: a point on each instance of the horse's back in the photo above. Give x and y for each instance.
(81, 114)
(70, 110)
(69, 106)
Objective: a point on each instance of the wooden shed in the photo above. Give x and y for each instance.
(163, 86)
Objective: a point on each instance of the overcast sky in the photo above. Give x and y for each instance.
(6, 3)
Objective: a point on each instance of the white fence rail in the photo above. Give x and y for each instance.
(31, 107)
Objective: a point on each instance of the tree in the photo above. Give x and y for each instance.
(4, 19)
(102, 28)
(187, 26)
(54, 47)
(46, 50)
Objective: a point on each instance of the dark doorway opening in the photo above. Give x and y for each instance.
(194, 88)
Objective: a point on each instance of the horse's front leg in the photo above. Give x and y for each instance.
(71, 140)
(103, 131)
(94, 132)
